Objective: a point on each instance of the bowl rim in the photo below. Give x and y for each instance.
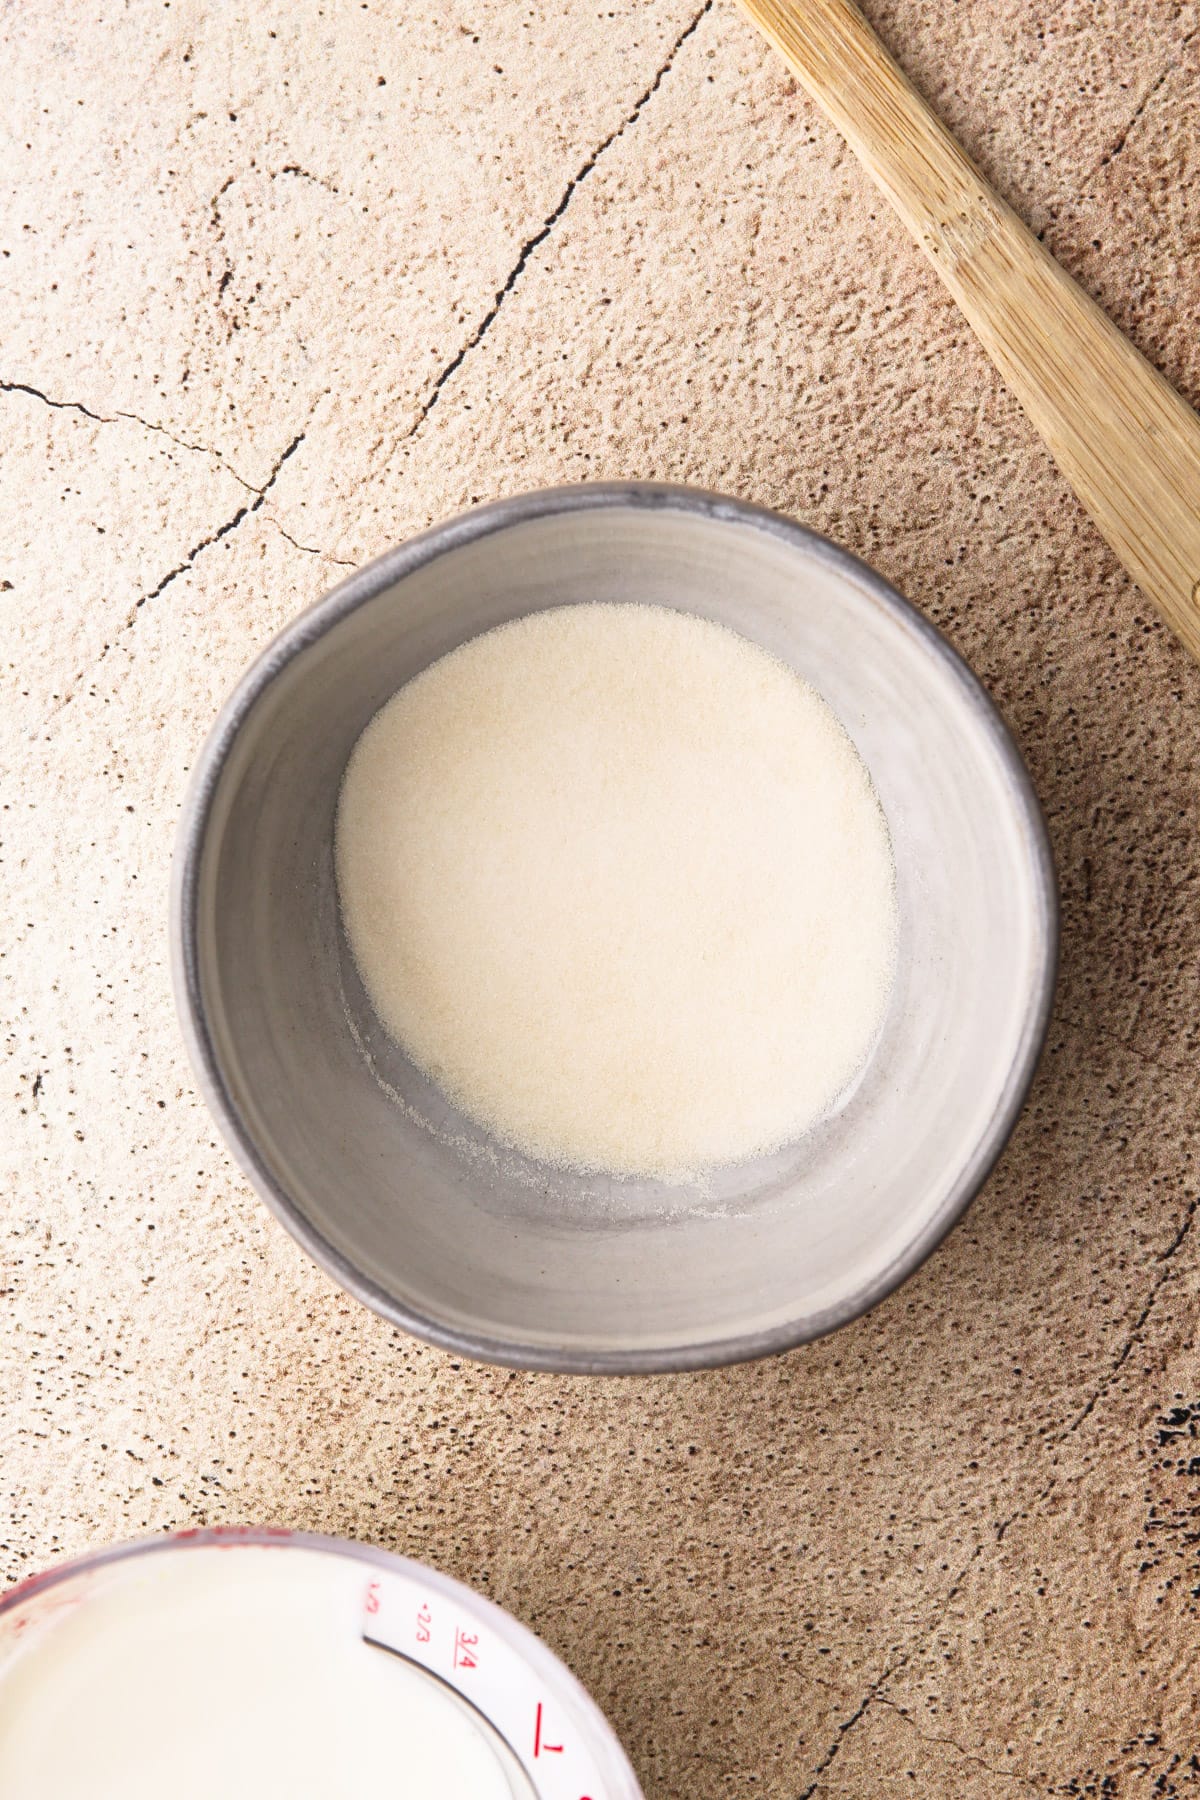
(366, 584)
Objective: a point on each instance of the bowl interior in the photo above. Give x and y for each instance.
(445, 1229)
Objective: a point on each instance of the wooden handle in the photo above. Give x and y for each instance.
(1124, 439)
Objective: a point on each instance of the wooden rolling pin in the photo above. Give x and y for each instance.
(1124, 439)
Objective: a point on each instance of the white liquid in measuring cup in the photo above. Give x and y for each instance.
(239, 1672)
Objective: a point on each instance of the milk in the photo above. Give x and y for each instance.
(231, 1674)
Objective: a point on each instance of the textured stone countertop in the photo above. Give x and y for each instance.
(282, 284)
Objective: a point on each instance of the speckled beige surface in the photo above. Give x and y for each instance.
(283, 283)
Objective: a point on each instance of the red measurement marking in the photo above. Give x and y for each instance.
(39, 1606)
(424, 1622)
(372, 1602)
(539, 1747)
(466, 1646)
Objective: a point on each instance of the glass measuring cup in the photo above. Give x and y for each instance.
(299, 1665)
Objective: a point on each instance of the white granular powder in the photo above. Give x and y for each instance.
(618, 881)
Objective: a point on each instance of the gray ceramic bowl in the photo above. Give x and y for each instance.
(414, 1209)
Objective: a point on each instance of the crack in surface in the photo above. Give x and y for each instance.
(1151, 93)
(24, 387)
(200, 449)
(932, 1737)
(214, 207)
(1155, 1064)
(846, 1726)
(1163, 1259)
(303, 174)
(243, 512)
(874, 1692)
(310, 549)
(527, 249)
(547, 226)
